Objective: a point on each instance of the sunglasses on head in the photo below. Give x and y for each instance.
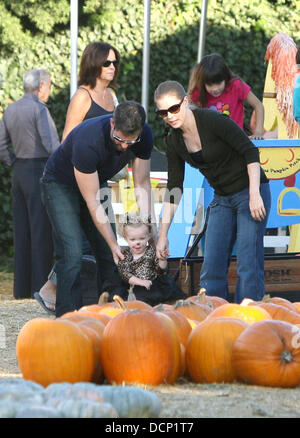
(129, 142)
(108, 62)
(174, 109)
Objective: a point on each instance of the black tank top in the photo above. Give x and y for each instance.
(95, 110)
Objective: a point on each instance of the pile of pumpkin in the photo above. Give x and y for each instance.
(203, 338)
(20, 398)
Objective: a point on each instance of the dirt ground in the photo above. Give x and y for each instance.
(185, 399)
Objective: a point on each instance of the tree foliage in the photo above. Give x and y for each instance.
(36, 33)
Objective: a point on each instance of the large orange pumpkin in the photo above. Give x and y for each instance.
(268, 353)
(94, 329)
(209, 350)
(178, 364)
(182, 324)
(192, 310)
(137, 347)
(57, 350)
(249, 314)
(138, 304)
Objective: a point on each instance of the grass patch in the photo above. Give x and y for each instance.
(6, 264)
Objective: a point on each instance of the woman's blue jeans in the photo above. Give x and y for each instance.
(230, 222)
(69, 215)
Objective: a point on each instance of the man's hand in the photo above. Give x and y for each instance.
(117, 254)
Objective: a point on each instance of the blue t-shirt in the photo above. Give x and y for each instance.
(296, 99)
(89, 148)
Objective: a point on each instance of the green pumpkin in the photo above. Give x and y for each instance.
(38, 412)
(83, 408)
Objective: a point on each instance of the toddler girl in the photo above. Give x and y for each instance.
(212, 85)
(142, 273)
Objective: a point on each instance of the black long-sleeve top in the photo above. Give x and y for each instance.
(226, 152)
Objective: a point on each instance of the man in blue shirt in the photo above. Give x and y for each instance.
(74, 186)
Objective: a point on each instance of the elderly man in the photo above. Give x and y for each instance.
(74, 180)
(27, 126)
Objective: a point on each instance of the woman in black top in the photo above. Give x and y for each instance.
(98, 73)
(214, 144)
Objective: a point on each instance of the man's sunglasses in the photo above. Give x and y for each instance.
(129, 142)
(174, 109)
(108, 62)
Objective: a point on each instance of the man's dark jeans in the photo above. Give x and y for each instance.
(69, 215)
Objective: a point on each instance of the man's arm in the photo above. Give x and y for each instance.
(5, 154)
(142, 187)
(47, 130)
(88, 184)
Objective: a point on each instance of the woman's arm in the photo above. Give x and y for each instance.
(162, 245)
(259, 115)
(78, 107)
(142, 187)
(256, 205)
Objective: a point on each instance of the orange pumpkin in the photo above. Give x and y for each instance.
(164, 306)
(80, 316)
(94, 329)
(137, 347)
(57, 350)
(209, 350)
(281, 313)
(202, 298)
(192, 310)
(297, 304)
(177, 362)
(281, 301)
(249, 314)
(193, 323)
(114, 308)
(182, 324)
(267, 353)
(137, 304)
(90, 308)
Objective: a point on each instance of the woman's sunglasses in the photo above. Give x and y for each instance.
(108, 62)
(174, 109)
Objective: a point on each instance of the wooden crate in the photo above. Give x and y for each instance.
(282, 275)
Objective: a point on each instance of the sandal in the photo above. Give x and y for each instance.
(43, 302)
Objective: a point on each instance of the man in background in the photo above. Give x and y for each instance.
(28, 127)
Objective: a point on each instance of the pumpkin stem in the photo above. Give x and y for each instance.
(286, 357)
(160, 307)
(201, 295)
(266, 298)
(103, 299)
(120, 302)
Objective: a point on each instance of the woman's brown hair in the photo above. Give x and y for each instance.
(93, 57)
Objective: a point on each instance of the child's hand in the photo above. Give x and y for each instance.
(136, 281)
(258, 136)
(146, 283)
